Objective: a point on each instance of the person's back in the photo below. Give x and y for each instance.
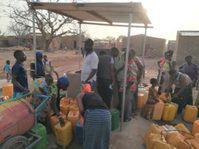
(104, 67)
(97, 124)
(105, 77)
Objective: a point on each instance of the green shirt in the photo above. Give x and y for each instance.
(53, 90)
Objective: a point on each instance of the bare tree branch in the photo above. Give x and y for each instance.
(49, 24)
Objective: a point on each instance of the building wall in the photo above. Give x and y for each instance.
(188, 45)
(66, 42)
(103, 44)
(154, 46)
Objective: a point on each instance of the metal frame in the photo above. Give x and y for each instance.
(127, 52)
(125, 69)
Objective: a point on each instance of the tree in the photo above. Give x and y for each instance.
(49, 24)
(20, 31)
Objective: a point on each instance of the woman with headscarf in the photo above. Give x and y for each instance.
(97, 121)
(131, 87)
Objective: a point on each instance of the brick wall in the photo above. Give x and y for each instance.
(188, 45)
(154, 46)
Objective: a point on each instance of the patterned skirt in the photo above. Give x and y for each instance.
(97, 129)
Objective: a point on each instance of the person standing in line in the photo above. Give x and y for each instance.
(105, 77)
(164, 66)
(131, 88)
(90, 65)
(190, 69)
(7, 70)
(119, 60)
(97, 121)
(140, 75)
(19, 74)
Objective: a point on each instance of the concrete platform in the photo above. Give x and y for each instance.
(131, 136)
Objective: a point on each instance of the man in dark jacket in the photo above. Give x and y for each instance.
(105, 77)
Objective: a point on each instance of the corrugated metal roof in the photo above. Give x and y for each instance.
(189, 33)
(108, 13)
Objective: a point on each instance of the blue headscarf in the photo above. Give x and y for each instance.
(39, 64)
(39, 55)
(63, 83)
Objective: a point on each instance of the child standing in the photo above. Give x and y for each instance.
(147, 110)
(153, 92)
(19, 75)
(7, 70)
(53, 89)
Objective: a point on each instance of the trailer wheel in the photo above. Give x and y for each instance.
(17, 142)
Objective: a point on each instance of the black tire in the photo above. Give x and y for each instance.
(17, 142)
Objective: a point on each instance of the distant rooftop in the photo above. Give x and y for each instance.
(189, 33)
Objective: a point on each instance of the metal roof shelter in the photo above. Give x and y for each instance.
(108, 14)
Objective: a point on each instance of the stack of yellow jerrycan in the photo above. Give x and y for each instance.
(155, 139)
(182, 127)
(195, 128)
(64, 105)
(190, 113)
(169, 137)
(176, 139)
(40, 130)
(170, 111)
(63, 133)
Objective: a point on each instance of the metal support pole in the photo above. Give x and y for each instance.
(176, 46)
(80, 40)
(144, 42)
(34, 37)
(125, 70)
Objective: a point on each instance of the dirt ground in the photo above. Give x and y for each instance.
(63, 61)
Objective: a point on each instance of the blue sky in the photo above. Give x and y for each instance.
(167, 16)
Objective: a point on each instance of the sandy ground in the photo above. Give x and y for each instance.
(63, 61)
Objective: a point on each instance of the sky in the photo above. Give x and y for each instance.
(167, 16)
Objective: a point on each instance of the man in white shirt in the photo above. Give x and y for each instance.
(90, 64)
